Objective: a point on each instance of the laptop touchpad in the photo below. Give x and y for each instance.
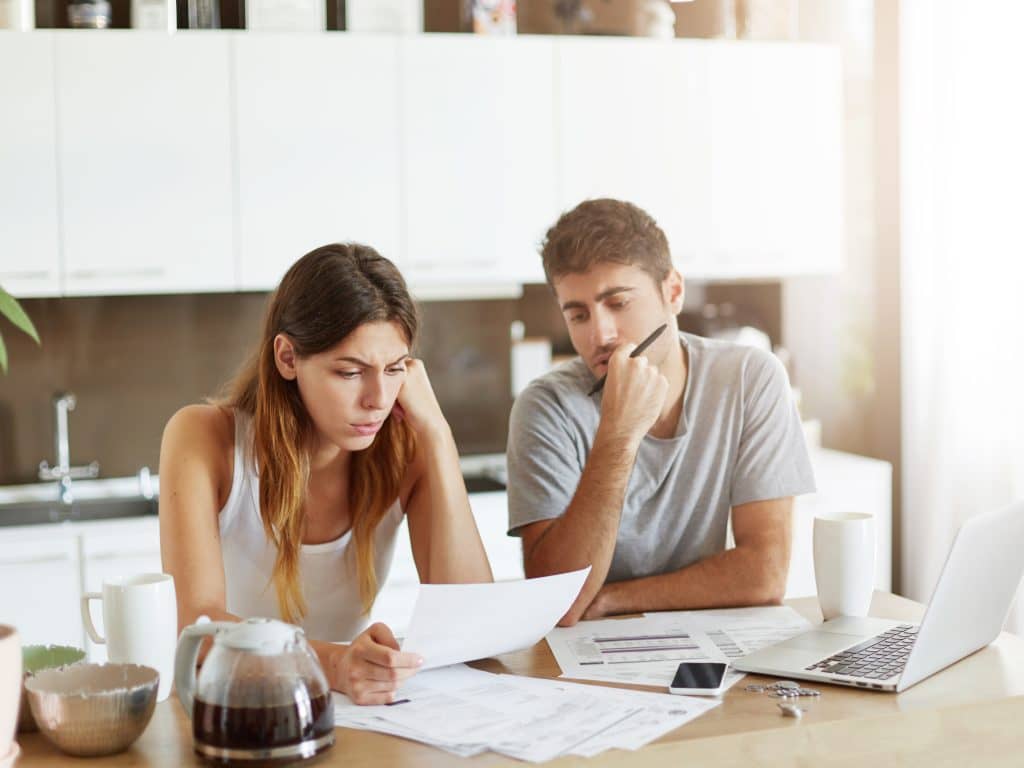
(825, 642)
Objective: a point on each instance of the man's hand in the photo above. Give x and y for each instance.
(598, 608)
(634, 395)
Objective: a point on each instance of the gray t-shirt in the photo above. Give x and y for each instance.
(738, 439)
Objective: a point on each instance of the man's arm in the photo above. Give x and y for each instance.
(753, 573)
(585, 533)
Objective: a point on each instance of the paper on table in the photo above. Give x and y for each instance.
(452, 623)
(634, 651)
(600, 650)
(737, 631)
(653, 714)
(466, 711)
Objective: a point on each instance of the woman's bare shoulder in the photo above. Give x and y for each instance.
(206, 432)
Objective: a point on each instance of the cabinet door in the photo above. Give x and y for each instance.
(28, 168)
(776, 158)
(633, 125)
(41, 588)
(846, 483)
(490, 510)
(144, 154)
(318, 154)
(126, 548)
(478, 147)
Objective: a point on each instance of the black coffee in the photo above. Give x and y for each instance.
(261, 727)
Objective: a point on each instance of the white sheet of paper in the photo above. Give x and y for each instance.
(452, 623)
(736, 631)
(465, 712)
(646, 651)
(653, 714)
(635, 651)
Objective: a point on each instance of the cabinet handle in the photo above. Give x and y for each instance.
(118, 555)
(37, 560)
(94, 274)
(25, 274)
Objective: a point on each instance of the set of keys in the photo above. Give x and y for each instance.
(789, 692)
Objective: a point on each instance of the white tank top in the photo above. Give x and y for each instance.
(328, 570)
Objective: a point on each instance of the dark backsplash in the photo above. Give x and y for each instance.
(132, 361)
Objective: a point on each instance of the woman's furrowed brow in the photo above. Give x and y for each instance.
(365, 364)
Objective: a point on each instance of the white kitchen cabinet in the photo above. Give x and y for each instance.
(111, 552)
(478, 146)
(317, 138)
(41, 584)
(633, 124)
(144, 152)
(137, 162)
(29, 246)
(776, 160)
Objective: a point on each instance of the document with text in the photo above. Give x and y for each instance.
(452, 623)
(646, 651)
(466, 711)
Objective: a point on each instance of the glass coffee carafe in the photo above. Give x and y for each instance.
(261, 695)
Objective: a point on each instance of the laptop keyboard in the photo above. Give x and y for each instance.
(878, 658)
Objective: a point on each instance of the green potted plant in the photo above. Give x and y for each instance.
(11, 309)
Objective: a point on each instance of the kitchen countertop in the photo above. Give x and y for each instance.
(37, 504)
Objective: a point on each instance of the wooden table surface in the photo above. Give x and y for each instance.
(969, 713)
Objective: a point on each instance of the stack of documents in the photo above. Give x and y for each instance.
(466, 712)
(646, 651)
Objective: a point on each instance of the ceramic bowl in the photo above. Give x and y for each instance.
(93, 709)
(35, 658)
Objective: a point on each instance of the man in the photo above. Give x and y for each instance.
(638, 480)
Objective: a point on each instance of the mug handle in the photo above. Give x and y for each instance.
(87, 617)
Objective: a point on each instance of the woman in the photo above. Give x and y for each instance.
(284, 499)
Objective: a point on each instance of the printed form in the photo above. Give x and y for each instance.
(646, 651)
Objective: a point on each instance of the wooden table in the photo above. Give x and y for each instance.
(968, 714)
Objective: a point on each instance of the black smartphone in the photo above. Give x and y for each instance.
(705, 678)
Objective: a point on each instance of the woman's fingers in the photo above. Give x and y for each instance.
(373, 692)
(388, 674)
(381, 633)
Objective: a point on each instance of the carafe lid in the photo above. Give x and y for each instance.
(262, 636)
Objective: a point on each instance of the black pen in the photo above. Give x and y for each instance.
(638, 351)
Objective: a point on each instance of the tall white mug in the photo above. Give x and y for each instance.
(140, 618)
(844, 563)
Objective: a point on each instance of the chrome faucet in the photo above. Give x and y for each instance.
(63, 472)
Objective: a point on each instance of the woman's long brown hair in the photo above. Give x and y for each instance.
(324, 297)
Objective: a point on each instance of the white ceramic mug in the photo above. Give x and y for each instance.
(140, 618)
(844, 563)
(10, 688)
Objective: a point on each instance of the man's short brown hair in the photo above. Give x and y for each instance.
(605, 230)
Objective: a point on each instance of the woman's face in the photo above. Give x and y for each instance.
(350, 389)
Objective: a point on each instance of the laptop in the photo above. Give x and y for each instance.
(966, 612)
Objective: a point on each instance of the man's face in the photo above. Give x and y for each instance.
(614, 304)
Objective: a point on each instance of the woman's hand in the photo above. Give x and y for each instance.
(370, 670)
(417, 403)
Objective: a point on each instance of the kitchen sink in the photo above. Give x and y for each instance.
(106, 499)
(40, 512)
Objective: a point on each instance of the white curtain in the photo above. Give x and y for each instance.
(962, 272)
